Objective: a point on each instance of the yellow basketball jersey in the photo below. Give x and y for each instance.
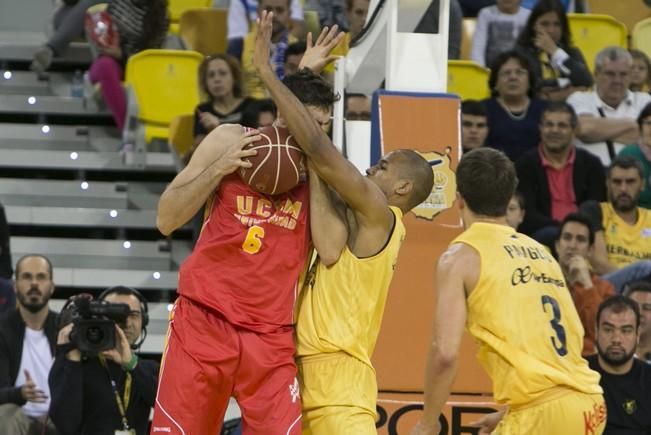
(626, 243)
(341, 307)
(522, 314)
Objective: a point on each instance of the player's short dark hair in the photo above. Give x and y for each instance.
(473, 107)
(625, 162)
(413, 166)
(311, 89)
(561, 107)
(25, 257)
(295, 48)
(618, 304)
(486, 181)
(637, 286)
(579, 219)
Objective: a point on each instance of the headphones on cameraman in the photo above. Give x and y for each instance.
(144, 308)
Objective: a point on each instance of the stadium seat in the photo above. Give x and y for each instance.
(642, 36)
(628, 12)
(467, 33)
(468, 79)
(204, 30)
(592, 32)
(165, 85)
(177, 7)
(312, 23)
(181, 137)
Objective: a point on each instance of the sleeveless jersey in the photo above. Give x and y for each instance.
(249, 256)
(626, 243)
(522, 314)
(341, 306)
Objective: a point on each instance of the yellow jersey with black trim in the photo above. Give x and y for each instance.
(340, 308)
(523, 317)
(626, 243)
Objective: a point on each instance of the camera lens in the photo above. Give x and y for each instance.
(94, 335)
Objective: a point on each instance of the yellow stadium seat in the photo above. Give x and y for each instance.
(165, 85)
(312, 23)
(628, 12)
(642, 36)
(181, 137)
(467, 33)
(592, 32)
(177, 7)
(204, 30)
(468, 79)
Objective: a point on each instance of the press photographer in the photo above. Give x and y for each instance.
(97, 390)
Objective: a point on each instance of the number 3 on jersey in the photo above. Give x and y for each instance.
(560, 341)
(253, 241)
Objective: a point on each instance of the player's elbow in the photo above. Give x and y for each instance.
(164, 224)
(329, 259)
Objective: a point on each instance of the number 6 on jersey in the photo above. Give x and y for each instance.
(253, 241)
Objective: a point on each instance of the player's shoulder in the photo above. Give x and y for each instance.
(458, 255)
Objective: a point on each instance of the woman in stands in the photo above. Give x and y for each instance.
(220, 78)
(546, 41)
(513, 112)
(641, 73)
(141, 25)
(642, 152)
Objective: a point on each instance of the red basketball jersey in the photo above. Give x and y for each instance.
(251, 251)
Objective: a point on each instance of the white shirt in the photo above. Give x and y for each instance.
(37, 360)
(240, 15)
(495, 33)
(588, 103)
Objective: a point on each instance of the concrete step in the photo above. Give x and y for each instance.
(50, 105)
(58, 137)
(63, 193)
(81, 217)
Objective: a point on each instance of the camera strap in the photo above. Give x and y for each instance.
(123, 403)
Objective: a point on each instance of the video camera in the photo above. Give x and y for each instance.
(94, 323)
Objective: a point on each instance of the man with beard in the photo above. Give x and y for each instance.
(625, 379)
(640, 292)
(27, 342)
(556, 177)
(622, 248)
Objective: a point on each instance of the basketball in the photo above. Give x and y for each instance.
(279, 165)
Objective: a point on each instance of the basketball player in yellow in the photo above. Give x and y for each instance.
(511, 295)
(357, 233)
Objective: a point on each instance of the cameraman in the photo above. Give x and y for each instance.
(110, 393)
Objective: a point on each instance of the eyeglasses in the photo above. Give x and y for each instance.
(520, 72)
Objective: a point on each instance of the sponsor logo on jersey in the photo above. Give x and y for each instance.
(594, 419)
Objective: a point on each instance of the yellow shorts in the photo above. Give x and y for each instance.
(338, 394)
(572, 413)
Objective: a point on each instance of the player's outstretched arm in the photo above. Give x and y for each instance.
(449, 322)
(219, 154)
(317, 55)
(327, 221)
(362, 195)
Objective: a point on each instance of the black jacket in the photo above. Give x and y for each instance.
(12, 333)
(83, 402)
(589, 180)
(579, 74)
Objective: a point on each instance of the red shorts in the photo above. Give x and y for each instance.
(207, 360)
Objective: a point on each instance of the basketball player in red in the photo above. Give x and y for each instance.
(230, 331)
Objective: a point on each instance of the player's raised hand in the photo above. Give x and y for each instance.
(317, 55)
(261, 54)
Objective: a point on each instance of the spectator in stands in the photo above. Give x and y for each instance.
(27, 343)
(547, 42)
(293, 57)
(642, 152)
(607, 113)
(622, 250)
(640, 292)
(141, 25)
(556, 177)
(515, 210)
(641, 72)
(573, 248)
(330, 12)
(220, 79)
(357, 107)
(626, 380)
(281, 38)
(7, 294)
(108, 393)
(474, 125)
(356, 12)
(242, 15)
(430, 24)
(68, 23)
(497, 30)
(262, 113)
(513, 112)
